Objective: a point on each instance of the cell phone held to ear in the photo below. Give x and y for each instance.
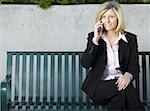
(102, 29)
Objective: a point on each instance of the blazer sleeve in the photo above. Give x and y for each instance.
(133, 66)
(90, 52)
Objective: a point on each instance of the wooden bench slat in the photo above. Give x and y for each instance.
(52, 67)
(45, 77)
(38, 72)
(24, 77)
(17, 67)
(31, 67)
(66, 105)
(59, 81)
(73, 81)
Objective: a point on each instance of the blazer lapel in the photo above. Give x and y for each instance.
(122, 49)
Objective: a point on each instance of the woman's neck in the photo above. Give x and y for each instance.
(112, 34)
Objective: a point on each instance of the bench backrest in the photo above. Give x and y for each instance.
(56, 78)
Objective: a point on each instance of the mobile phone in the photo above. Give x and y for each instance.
(102, 28)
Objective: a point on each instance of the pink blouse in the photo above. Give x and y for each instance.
(111, 70)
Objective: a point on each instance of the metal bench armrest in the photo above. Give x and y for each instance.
(5, 94)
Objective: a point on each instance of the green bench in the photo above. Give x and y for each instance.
(52, 81)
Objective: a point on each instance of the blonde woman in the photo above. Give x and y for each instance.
(112, 59)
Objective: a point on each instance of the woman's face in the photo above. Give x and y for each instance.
(110, 20)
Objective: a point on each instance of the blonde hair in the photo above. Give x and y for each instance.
(118, 11)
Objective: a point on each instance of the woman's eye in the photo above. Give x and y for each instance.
(111, 16)
(103, 16)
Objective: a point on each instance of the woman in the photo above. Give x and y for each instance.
(112, 59)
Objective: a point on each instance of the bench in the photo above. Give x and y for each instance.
(52, 81)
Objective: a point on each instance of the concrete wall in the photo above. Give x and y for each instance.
(60, 28)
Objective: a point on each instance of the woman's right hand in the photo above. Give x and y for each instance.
(98, 31)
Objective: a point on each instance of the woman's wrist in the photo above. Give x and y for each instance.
(95, 41)
(129, 75)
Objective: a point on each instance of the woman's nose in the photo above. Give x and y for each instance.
(107, 19)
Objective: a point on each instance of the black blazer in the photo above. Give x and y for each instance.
(95, 58)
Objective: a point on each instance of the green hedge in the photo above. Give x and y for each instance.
(47, 3)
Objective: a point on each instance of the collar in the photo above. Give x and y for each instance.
(121, 36)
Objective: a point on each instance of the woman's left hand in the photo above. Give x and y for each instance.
(124, 81)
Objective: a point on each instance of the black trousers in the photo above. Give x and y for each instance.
(106, 93)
